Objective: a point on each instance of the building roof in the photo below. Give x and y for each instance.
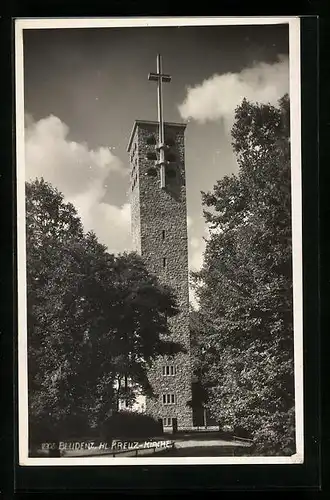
(148, 122)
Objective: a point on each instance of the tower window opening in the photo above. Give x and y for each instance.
(167, 421)
(134, 182)
(169, 370)
(133, 169)
(168, 399)
(151, 140)
(152, 172)
(170, 141)
(151, 155)
(164, 262)
(163, 234)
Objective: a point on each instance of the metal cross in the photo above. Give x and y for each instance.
(159, 77)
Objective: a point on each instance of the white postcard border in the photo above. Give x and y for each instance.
(295, 104)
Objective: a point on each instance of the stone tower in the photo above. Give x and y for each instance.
(159, 233)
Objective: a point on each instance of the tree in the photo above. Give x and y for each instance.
(93, 317)
(245, 285)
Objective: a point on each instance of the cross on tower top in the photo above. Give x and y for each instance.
(160, 77)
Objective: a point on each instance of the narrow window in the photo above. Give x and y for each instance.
(168, 399)
(170, 141)
(163, 234)
(151, 155)
(164, 262)
(151, 140)
(169, 370)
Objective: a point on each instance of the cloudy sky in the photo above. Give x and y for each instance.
(83, 89)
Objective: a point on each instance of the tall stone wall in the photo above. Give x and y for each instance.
(159, 230)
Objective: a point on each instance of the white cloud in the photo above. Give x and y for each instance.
(81, 174)
(110, 223)
(69, 165)
(218, 96)
(216, 99)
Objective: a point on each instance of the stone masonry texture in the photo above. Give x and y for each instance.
(159, 231)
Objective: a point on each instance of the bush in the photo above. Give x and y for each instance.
(125, 424)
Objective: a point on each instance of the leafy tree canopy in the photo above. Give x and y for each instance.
(93, 317)
(245, 285)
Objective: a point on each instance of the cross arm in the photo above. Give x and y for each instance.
(156, 77)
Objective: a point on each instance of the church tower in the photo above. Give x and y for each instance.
(159, 232)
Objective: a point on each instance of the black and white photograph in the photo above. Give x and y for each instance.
(159, 241)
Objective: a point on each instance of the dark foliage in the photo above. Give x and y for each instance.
(93, 318)
(245, 324)
(128, 424)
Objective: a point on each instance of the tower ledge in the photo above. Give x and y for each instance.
(150, 122)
